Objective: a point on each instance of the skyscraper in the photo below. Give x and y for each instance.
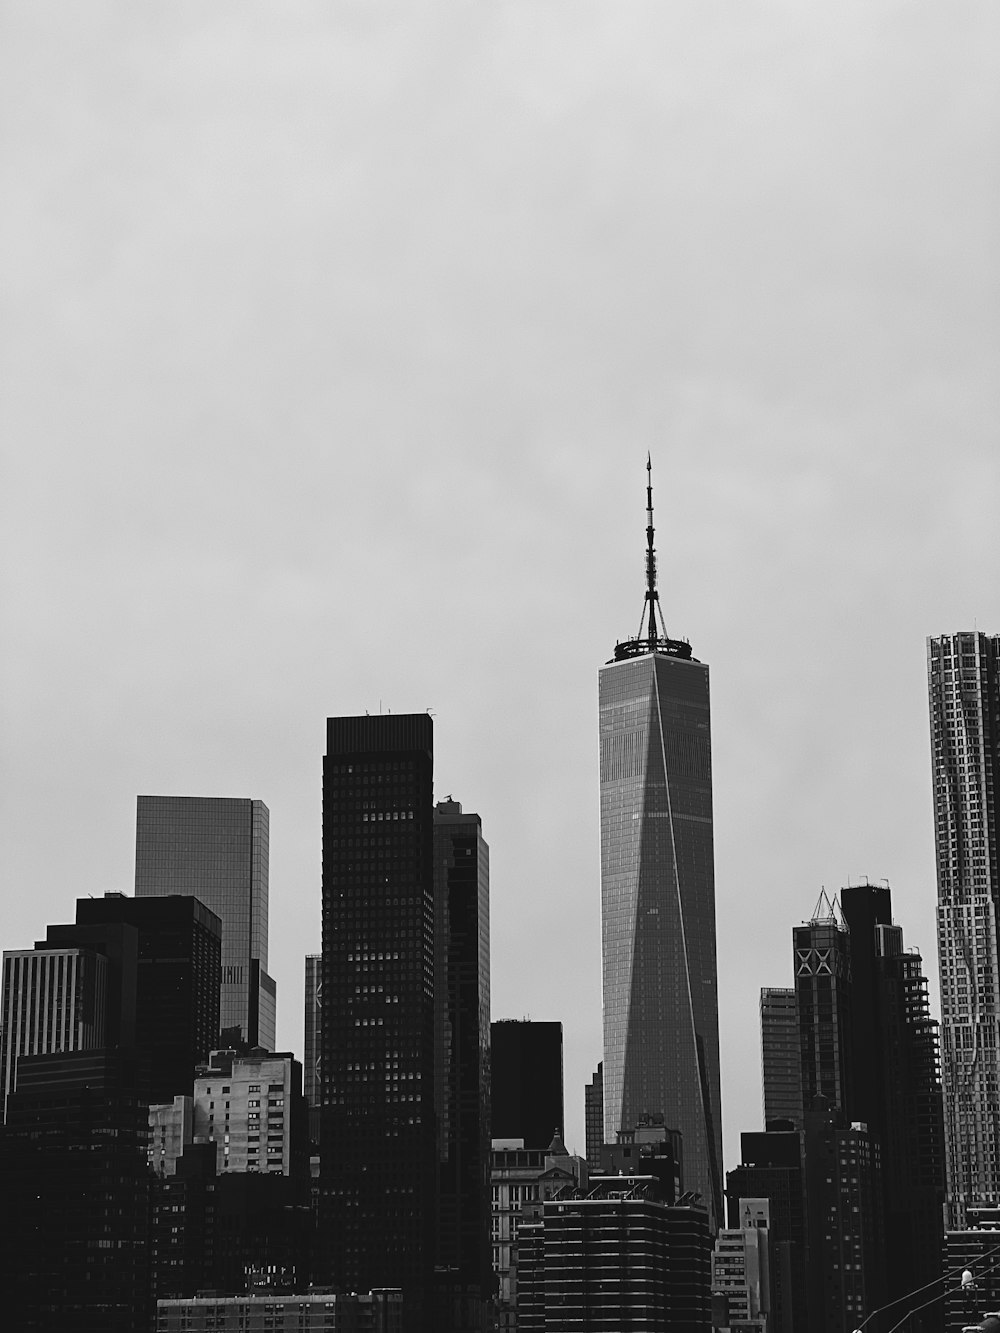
(177, 979)
(661, 1013)
(868, 1053)
(781, 1064)
(823, 1001)
(54, 1000)
(216, 849)
(313, 1028)
(378, 1175)
(963, 676)
(527, 1061)
(311, 1042)
(74, 1250)
(462, 1063)
(404, 1038)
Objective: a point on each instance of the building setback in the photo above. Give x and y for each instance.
(660, 979)
(963, 677)
(527, 1094)
(216, 849)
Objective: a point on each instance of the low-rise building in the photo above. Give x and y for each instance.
(615, 1256)
(521, 1180)
(741, 1272)
(372, 1312)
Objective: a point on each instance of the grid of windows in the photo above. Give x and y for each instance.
(661, 1044)
(216, 849)
(377, 975)
(53, 1000)
(963, 673)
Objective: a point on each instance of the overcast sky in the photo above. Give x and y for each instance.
(334, 337)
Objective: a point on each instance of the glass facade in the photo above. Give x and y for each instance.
(661, 1024)
(781, 1060)
(216, 849)
(963, 673)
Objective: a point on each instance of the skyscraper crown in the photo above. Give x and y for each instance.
(655, 638)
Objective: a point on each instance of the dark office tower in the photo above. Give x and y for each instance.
(74, 1221)
(781, 1062)
(527, 1081)
(896, 1086)
(313, 1028)
(177, 980)
(844, 1275)
(593, 1114)
(963, 673)
(773, 1168)
(53, 1000)
(661, 1011)
(823, 999)
(378, 1174)
(462, 1056)
(216, 849)
(76, 990)
(312, 1034)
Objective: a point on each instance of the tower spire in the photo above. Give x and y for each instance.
(652, 596)
(652, 636)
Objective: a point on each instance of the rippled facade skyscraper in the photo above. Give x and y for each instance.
(661, 1010)
(963, 674)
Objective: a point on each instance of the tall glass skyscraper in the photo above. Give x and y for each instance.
(963, 673)
(661, 1010)
(216, 849)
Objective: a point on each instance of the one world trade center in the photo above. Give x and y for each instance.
(661, 1010)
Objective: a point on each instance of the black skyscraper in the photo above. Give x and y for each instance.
(871, 1097)
(378, 1174)
(896, 1085)
(462, 1052)
(527, 1081)
(177, 982)
(74, 1221)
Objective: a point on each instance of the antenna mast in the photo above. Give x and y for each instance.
(652, 596)
(655, 639)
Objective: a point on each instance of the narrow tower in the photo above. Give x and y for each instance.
(963, 676)
(661, 1012)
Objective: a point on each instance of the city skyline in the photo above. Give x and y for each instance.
(335, 346)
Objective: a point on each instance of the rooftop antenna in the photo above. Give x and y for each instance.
(655, 638)
(651, 606)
